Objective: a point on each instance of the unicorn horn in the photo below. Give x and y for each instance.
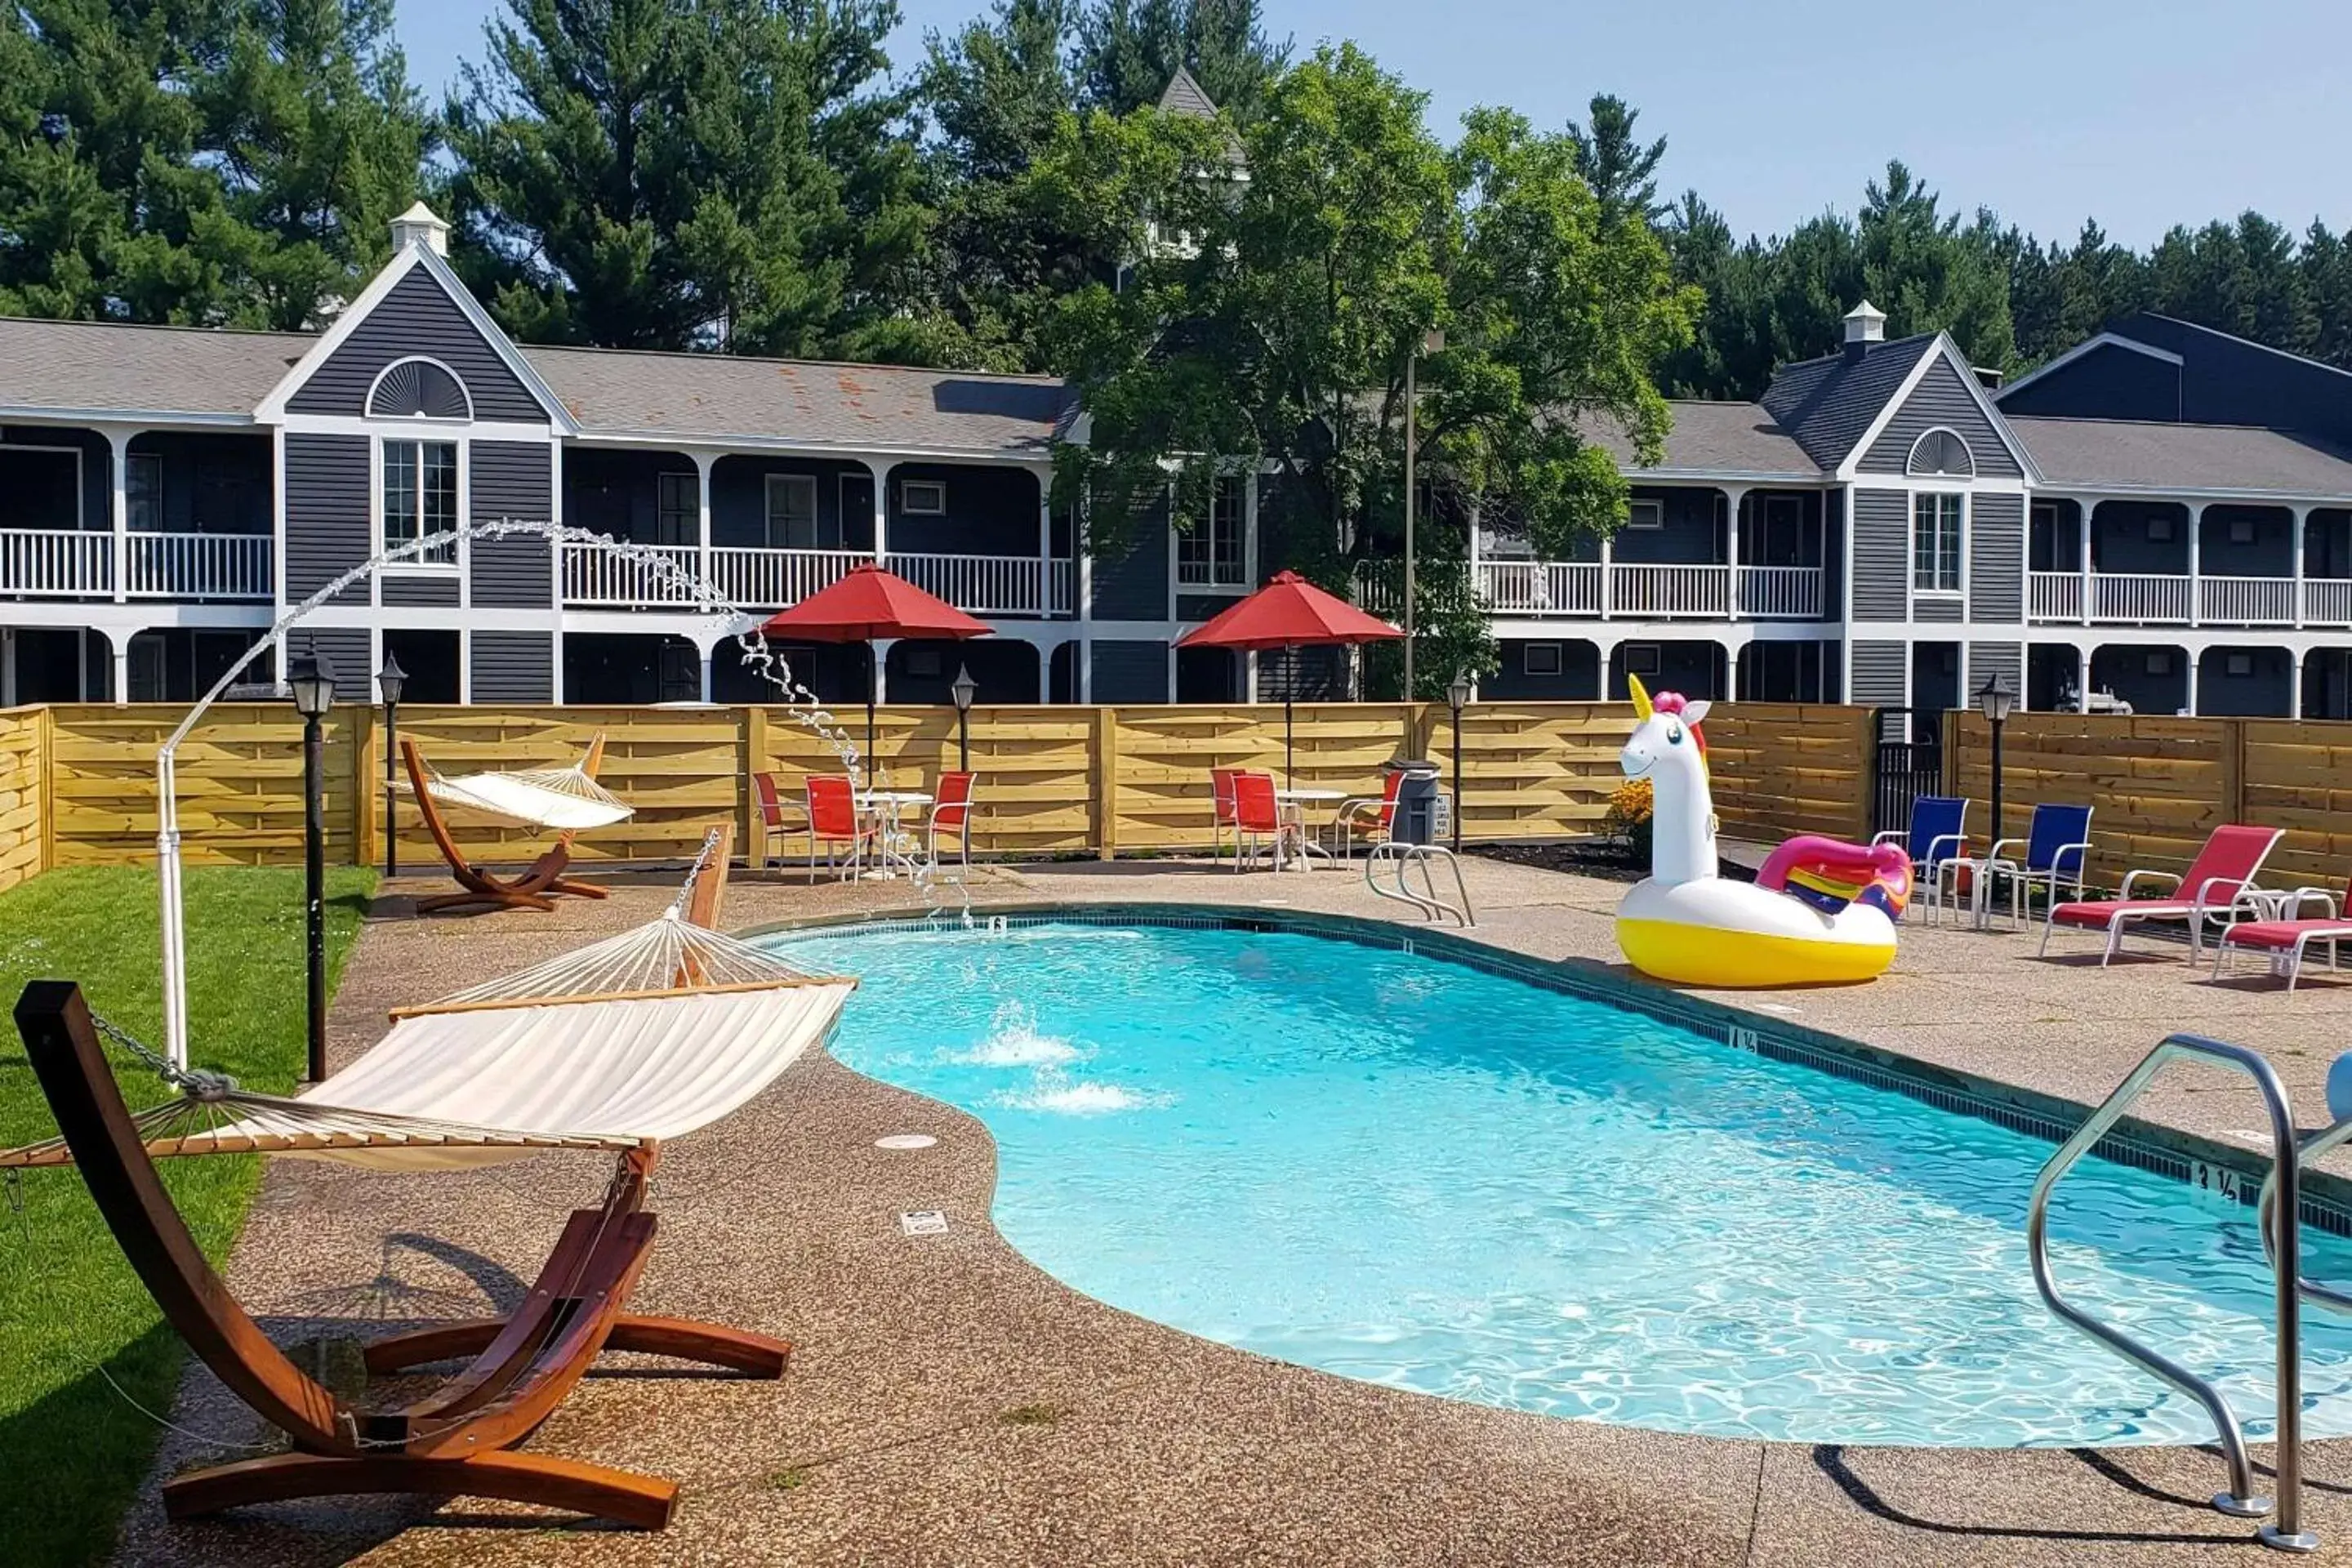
(1641, 695)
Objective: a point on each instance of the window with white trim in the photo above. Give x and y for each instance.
(791, 512)
(1539, 658)
(1644, 659)
(677, 509)
(1938, 524)
(1941, 451)
(923, 497)
(420, 498)
(1209, 552)
(1645, 515)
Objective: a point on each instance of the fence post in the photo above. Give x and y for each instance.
(1866, 743)
(366, 767)
(754, 834)
(2233, 770)
(47, 792)
(1106, 781)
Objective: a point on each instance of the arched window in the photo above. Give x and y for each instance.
(1941, 451)
(418, 388)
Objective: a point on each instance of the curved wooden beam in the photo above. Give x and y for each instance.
(640, 1503)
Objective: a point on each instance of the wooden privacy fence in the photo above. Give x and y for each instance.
(2160, 786)
(76, 782)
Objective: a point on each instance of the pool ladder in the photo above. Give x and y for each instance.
(1432, 904)
(2282, 1195)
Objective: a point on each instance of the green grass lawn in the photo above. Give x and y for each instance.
(69, 1303)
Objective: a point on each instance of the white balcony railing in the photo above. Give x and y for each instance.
(2246, 601)
(1789, 592)
(2140, 599)
(1646, 591)
(56, 562)
(989, 585)
(772, 579)
(197, 567)
(2327, 601)
(1540, 587)
(2053, 596)
(595, 575)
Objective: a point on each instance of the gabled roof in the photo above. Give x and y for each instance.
(1710, 439)
(2110, 455)
(1827, 404)
(104, 369)
(800, 403)
(1183, 96)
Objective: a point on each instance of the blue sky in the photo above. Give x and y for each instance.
(2142, 114)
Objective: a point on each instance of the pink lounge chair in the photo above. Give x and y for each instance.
(2280, 930)
(2225, 867)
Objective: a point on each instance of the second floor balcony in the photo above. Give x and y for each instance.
(2169, 599)
(83, 563)
(1593, 590)
(757, 578)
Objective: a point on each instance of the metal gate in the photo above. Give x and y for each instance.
(1908, 764)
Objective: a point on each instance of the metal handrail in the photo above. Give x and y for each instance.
(2241, 1500)
(2312, 1148)
(1431, 905)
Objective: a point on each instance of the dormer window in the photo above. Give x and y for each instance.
(1941, 451)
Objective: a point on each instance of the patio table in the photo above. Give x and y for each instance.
(1296, 798)
(887, 806)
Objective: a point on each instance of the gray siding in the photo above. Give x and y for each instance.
(97, 495)
(513, 666)
(1995, 558)
(416, 318)
(327, 526)
(511, 478)
(1130, 672)
(1986, 660)
(2261, 689)
(1307, 674)
(1882, 555)
(402, 591)
(1690, 531)
(1579, 679)
(1879, 668)
(1206, 607)
(345, 649)
(1942, 397)
(1931, 610)
(211, 484)
(1133, 586)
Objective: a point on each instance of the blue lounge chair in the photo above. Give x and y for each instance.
(1936, 842)
(2057, 845)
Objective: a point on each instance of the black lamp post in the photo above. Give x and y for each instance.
(963, 689)
(389, 681)
(1457, 696)
(312, 681)
(1994, 702)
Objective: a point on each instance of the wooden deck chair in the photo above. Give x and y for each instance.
(458, 1440)
(541, 881)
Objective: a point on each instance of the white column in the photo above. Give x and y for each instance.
(881, 472)
(706, 675)
(1044, 550)
(1734, 495)
(7, 668)
(703, 463)
(1731, 666)
(2196, 677)
(882, 647)
(2087, 506)
(2196, 586)
(1250, 571)
(120, 647)
(118, 440)
(2299, 516)
(1249, 674)
(2295, 667)
(1473, 544)
(1608, 597)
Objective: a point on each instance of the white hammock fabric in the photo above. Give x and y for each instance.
(564, 798)
(655, 956)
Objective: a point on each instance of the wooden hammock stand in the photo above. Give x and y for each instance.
(538, 884)
(457, 1441)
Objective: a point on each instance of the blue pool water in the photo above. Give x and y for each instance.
(1413, 1172)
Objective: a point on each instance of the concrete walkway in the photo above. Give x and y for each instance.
(949, 1403)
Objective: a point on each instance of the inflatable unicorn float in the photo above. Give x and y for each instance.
(1821, 912)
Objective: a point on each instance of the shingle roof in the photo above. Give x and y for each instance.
(2101, 454)
(1714, 437)
(78, 366)
(1183, 96)
(865, 406)
(1827, 402)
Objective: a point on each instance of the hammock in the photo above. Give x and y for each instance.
(565, 798)
(643, 1036)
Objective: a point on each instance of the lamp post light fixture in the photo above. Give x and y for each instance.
(389, 681)
(312, 681)
(963, 689)
(1432, 342)
(1996, 702)
(1457, 696)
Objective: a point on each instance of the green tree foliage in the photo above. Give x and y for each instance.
(666, 174)
(1621, 170)
(1128, 50)
(205, 163)
(1269, 320)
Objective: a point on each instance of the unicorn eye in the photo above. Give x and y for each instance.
(1675, 736)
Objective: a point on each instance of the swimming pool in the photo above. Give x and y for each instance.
(1420, 1173)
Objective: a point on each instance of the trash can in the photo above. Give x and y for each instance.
(1416, 818)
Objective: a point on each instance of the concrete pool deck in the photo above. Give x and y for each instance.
(951, 1404)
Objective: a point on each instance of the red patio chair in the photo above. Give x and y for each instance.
(2282, 931)
(775, 819)
(951, 813)
(834, 821)
(1221, 808)
(1258, 817)
(1369, 815)
(2226, 867)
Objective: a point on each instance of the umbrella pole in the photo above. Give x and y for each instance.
(873, 674)
(1289, 779)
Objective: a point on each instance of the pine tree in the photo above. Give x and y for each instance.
(1621, 170)
(1128, 49)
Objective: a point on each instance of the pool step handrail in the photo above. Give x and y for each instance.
(2241, 1499)
(1431, 905)
(2310, 1148)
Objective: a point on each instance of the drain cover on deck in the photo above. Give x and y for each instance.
(905, 1141)
(923, 1222)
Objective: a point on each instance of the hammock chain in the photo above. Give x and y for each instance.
(196, 1083)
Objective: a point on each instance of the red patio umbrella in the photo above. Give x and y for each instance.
(1289, 612)
(867, 604)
